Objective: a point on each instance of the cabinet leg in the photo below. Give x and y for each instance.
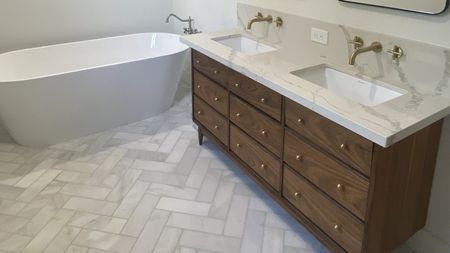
(200, 137)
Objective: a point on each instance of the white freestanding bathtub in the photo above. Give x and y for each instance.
(55, 93)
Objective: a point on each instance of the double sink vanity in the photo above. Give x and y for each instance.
(319, 139)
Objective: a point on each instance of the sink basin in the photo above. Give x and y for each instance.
(359, 90)
(245, 45)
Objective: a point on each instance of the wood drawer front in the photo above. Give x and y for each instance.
(259, 126)
(340, 225)
(256, 157)
(339, 182)
(211, 68)
(256, 94)
(212, 120)
(211, 93)
(339, 141)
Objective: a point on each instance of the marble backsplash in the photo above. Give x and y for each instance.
(424, 68)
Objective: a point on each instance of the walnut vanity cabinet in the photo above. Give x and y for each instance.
(353, 195)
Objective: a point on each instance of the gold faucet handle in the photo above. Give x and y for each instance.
(357, 42)
(397, 52)
(259, 15)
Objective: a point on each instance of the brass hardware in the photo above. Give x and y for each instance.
(216, 127)
(343, 146)
(297, 195)
(238, 145)
(199, 112)
(340, 187)
(397, 52)
(336, 227)
(216, 72)
(264, 132)
(279, 22)
(375, 47)
(238, 115)
(357, 42)
(263, 166)
(300, 121)
(216, 99)
(199, 86)
(263, 100)
(259, 18)
(236, 85)
(298, 157)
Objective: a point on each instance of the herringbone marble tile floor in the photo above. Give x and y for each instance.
(145, 187)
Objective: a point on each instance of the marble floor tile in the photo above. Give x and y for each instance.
(105, 241)
(183, 206)
(147, 187)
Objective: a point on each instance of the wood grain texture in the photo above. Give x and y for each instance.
(256, 94)
(327, 174)
(211, 68)
(400, 189)
(212, 93)
(335, 139)
(256, 157)
(259, 126)
(212, 120)
(323, 212)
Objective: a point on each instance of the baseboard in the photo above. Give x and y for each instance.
(425, 242)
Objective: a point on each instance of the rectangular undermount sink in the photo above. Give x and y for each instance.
(354, 88)
(245, 45)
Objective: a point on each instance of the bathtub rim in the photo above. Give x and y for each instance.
(99, 66)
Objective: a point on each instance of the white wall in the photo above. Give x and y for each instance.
(209, 15)
(25, 23)
(420, 27)
(435, 238)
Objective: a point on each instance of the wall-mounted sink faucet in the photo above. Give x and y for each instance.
(375, 47)
(187, 30)
(259, 18)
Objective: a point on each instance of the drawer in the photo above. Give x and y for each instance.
(256, 157)
(258, 125)
(211, 120)
(336, 180)
(335, 139)
(339, 224)
(212, 93)
(256, 94)
(209, 67)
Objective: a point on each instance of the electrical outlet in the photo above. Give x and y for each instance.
(319, 36)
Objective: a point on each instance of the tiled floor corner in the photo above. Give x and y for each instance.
(145, 187)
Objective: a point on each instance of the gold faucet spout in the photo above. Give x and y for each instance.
(259, 18)
(375, 47)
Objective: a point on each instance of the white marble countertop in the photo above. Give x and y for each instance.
(384, 124)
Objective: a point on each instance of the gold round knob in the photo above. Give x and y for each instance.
(199, 112)
(343, 146)
(297, 195)
(300, 121)
(236, 85)
(197, 61)
(264, 132)
(238, 145)
(340, 187)
(216, 72)
(263, 166)
(336, 227)
(298, 157)
(216, 99)
(238, 115)
(216, 127)
(263, 100)
(199, 86)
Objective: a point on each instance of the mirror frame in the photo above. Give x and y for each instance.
(392, 8)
